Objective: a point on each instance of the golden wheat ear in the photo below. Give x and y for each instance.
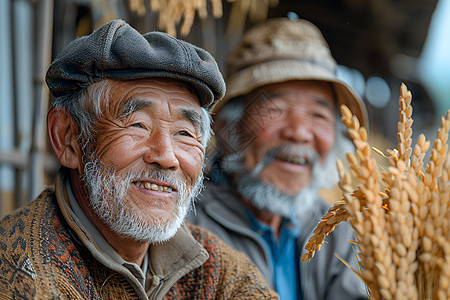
(352, 200)
(400, 214)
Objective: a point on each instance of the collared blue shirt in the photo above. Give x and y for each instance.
(284, 255)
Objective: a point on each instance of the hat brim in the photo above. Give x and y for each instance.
(258, 75)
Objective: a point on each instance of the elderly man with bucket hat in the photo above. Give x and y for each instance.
(278, 135)
(129, 124)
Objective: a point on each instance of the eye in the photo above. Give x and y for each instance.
(137, 125)
(324, 116)
(185, 133)
(319, 115)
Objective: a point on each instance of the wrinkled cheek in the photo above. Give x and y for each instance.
(253, 154)
(262, 140)
(325, 143)
(124, 154)
(192, 166)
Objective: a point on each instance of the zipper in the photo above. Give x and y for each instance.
(160, 285)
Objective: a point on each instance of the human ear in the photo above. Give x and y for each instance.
(63, 132)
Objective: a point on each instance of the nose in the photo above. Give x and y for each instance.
(161, 152)
(297, 129)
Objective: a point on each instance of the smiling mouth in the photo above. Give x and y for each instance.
(153, 186)
(298, 160)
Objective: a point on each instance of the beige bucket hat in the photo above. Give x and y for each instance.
(281, 50)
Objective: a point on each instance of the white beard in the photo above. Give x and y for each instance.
(107, 190)
(268, 197)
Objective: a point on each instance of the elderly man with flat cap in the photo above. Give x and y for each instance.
(129, 124)
(278, 135)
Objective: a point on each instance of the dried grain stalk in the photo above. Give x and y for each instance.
(401, 215)
(171, 12)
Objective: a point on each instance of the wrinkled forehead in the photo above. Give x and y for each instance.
(173, 90)
(172, 86)
(107, 98)
(323, 92)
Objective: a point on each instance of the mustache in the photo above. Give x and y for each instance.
(287, 152)
(173, 180)
(123, 182)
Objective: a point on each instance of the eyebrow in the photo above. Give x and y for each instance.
(321, 101)
(195, 118)
(325, 103)
(132, 105)
(136, 104)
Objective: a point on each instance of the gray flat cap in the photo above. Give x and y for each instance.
(118, 51)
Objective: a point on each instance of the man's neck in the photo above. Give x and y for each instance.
(130, 250)
(264, 216)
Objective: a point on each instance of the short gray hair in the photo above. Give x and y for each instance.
(84, 106)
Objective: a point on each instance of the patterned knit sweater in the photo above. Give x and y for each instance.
(41, 258)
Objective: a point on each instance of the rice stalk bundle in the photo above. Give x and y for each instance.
(171, 12)
(400, 214)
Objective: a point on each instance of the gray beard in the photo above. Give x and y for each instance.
(266, 196)
(107, 189)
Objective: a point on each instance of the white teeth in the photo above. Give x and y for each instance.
(301, 161)
(297, 160)
(153, 186)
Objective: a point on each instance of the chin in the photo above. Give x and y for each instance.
(288, 187)
(145, 228)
